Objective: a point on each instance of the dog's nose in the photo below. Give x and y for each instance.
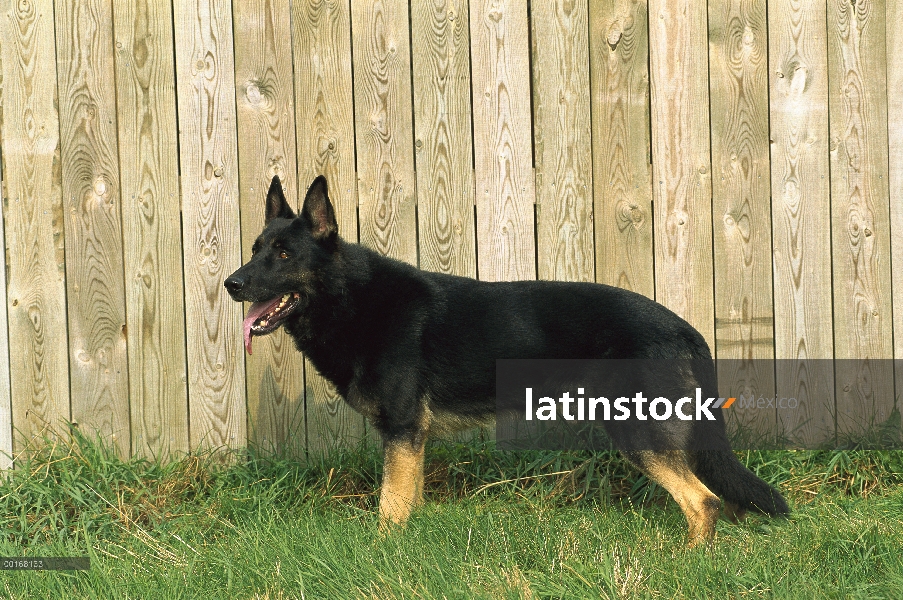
(234, 284)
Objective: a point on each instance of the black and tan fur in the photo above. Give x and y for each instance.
(415, 353)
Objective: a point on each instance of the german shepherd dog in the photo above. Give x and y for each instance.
(415, 352)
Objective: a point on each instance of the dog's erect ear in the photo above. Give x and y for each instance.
(277, 207)
(318, 212)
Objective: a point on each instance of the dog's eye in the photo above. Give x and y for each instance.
(283, 254)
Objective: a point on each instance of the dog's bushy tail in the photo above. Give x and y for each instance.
(726, 476)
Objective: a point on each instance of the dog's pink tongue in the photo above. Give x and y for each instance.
(257, 310)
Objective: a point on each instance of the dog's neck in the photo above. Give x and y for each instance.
(346, 312)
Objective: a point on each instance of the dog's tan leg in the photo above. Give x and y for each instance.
(402, 489)
(700, 506)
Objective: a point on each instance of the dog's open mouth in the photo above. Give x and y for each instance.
(266, 316)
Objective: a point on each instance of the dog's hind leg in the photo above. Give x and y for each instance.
(402, 488)
(671, 470)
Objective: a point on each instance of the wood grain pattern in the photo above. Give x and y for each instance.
(562, 141)
(152, 240)
(800, 213)
(6, 414)
(505, 187)
(895, 162)
(860, 213)
(95, 288)
(324, 121)
(682, 183)
(741, 195)
(622, 172)
(33, 212)
(443, 145)
(266, 147)
(384, 128)
(211, 238)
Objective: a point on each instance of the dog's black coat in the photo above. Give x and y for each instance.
(397, 341)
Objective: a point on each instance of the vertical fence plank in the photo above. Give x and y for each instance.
(860, 213)
(152, 241)
(895, 149)
(563, 141)
(36, 286)
(682, 184)
(324, 121)
(505, 188)
(800, 213)
(384, 131)
(98, 358)
(741, 182)
(211, 237)
(6, 415)
(622, 173)
(266, 147)
(444, 146)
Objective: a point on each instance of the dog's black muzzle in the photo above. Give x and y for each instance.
(240, 287)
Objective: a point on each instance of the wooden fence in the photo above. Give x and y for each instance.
(741, 163)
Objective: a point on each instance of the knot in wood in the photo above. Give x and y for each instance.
(748, 36)
(614, 36)
(24, 7)
(253, 94)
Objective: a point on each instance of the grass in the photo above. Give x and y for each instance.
(496, 525)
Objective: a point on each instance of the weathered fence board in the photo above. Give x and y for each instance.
(860, 220)
(6, 414)
(324, 118)
(681, 169)
(95, 292)
(741, 204)
(384, 128)
(211, 239)
(895, 162)
(563, 141)
(266, 147)
(440, 44)
(152, 239)
(801, 215)
(622, 171)
(33, 217)
(503, 174)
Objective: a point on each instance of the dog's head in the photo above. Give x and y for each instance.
(279, 278)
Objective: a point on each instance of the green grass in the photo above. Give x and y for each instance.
(277, 528)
